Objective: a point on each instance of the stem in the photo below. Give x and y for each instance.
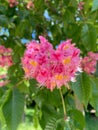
(19, 82)
(64, 108)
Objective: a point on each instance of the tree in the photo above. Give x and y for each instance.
(20, 22)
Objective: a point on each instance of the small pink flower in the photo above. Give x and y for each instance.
(5, 62)
(13, 3)
(3, 76)
(5, 56)
(81, 5)
(3, 83)
(30, 5)
(93, 55)
(89, 62)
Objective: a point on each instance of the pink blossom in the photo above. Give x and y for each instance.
(51, 68)
(3, 83)
(89, 62)
(81, 5)
(93, 55)
(2, 76)
(13, 3)
(30, 5)
(5, 56)
(5, 62)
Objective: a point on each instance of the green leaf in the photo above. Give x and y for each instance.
(55, 97)
(3, 20)
(82, 88)
(2, 120)
(89, 37)
(48, 112)
(70, 102)
(95, 5)
(91, 122)
(33, 86)
(35, 118)
(13, 109)
(23, 88)
(94, 98)
(3, 8)
(96, 73)
(77, 118)
(87, 5)
(51, 125)
(55, 123)
(44, 95)
(24, 31)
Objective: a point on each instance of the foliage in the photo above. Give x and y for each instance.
(57, 21)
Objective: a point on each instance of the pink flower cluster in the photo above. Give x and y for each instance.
(81, 5)
(88, 63)
(5, 56)
(5, 62)
(30, 5)
(51, 68)
(13, 3)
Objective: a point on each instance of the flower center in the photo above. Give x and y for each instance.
(67, 60)
(33, 63)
